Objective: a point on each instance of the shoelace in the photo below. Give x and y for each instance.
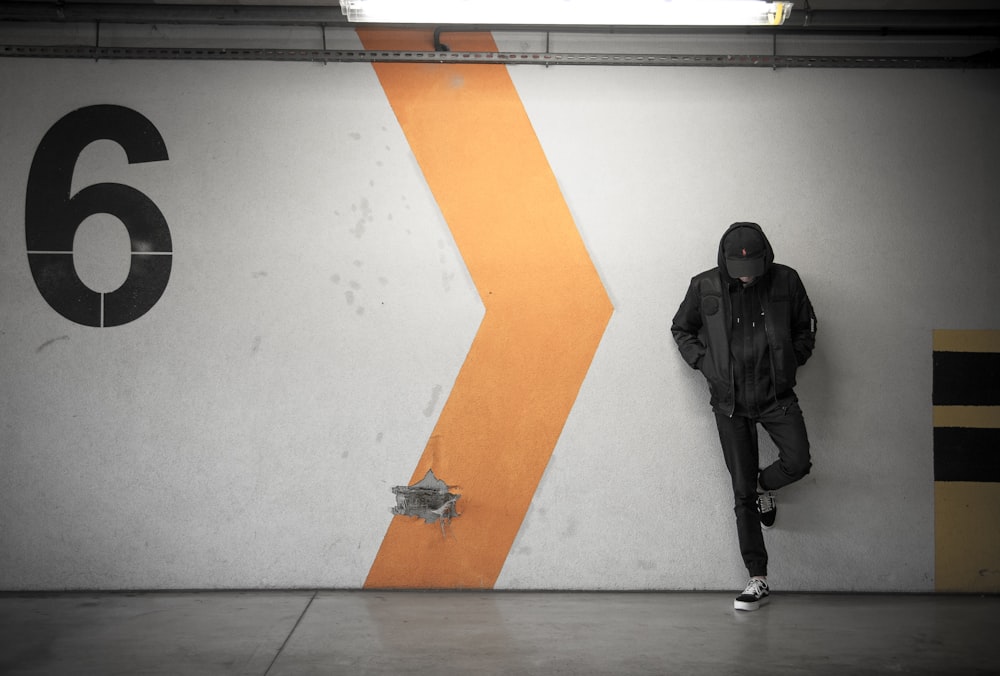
(766, 501)
(755, 587)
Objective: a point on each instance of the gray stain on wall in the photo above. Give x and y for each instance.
(432, 404)
(366, 217)
(49, 342)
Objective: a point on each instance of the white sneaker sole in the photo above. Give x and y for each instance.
(750, 605)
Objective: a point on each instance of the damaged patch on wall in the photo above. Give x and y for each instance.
(428, 499)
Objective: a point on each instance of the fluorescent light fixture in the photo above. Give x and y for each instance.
(570, 12)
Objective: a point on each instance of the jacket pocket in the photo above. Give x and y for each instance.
(709, 369)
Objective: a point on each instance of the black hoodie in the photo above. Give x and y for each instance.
(702, 329)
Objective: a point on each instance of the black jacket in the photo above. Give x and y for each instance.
(702, 325)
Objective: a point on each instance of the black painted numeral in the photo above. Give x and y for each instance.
(52, 217)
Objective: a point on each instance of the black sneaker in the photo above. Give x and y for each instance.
(753, 597)
(768, 508)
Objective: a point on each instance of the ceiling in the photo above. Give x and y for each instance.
(892, 15)
(873, 33)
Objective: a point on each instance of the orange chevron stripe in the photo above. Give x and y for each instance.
(546, 311)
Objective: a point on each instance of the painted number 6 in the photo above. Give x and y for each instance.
(52, 217)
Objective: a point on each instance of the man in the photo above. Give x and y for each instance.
(747, 325)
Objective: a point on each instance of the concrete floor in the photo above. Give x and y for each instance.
(444, 633)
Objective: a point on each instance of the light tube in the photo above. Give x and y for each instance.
(570, 12)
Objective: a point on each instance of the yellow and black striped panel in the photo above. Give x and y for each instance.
(966, 400)
(966, 397)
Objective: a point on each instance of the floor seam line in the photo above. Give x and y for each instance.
(290, 633)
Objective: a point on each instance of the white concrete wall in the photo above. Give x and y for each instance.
(247, 430)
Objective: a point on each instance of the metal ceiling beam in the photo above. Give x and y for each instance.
(895, 22)
(986, 60)
(801, 21)
(145, 13)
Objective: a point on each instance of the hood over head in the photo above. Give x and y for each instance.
(744, 252)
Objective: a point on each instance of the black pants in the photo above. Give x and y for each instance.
(738, 434)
